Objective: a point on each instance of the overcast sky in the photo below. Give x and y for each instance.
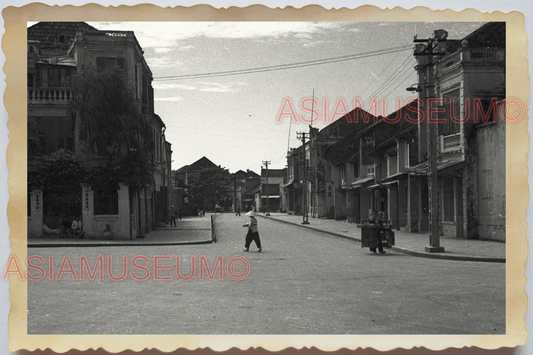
(232, 119)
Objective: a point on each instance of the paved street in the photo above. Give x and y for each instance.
(304, 282)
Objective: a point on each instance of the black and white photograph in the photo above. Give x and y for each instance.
(274, 178)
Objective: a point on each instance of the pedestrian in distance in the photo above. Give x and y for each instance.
(108, 232)
(173, 215)
(179, 213)
(253, 233)
(77, 229)
(238, 211)
(65, 227)
(379, 219)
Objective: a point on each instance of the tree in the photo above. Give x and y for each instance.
(57, 170)
(211, 184)
(112, 125)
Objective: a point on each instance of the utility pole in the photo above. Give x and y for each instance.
(234, 193)
(303, 136)
(428, 53)
(265, 163)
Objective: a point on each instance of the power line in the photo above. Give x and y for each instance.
(285, 66)
(389, 80)
(382, 71)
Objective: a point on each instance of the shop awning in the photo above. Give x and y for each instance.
(360, 182)
(395, 177)
(382, 185)
(445, 163)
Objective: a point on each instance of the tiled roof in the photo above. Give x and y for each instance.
(56, 35)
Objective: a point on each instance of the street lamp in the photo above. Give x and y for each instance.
(418, 88)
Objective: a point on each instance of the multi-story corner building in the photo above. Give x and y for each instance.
(465, 80)
(58, 54)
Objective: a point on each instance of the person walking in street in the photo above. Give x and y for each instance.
(253, 233)
(179, 213)
(173, 214)
(238, 211)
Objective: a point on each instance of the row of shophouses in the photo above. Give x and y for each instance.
(361, 163)
(57, 53)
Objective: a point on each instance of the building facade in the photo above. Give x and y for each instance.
(440, 158)
(59, 54)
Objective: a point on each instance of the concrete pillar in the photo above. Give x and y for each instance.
(123, 229)
(35, 219)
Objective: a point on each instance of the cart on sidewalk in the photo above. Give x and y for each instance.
(371, 232)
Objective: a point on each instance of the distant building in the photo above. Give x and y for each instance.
(269, 192)
(198, 196)
(244, 182)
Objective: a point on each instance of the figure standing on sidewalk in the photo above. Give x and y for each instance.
(379, 220)
(238, 211)
(253, 233)
(173, 215)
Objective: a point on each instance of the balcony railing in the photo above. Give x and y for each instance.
(479, 55)
(487, 55)
(450, 143)
(49, 95)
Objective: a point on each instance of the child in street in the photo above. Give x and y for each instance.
(253, 233)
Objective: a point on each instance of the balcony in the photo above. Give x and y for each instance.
(471, 55)
(450, 143)
(49, 95)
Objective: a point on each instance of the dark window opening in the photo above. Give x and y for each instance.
(105, 201)
(448, 196)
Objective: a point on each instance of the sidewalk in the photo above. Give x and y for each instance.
(406, 243)
(190, 230)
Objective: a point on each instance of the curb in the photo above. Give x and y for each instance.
(119, 244)
(454, 257)
(213, 231)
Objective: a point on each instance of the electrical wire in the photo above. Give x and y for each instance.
(285, 66)
(388, 82)
(381, 72)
